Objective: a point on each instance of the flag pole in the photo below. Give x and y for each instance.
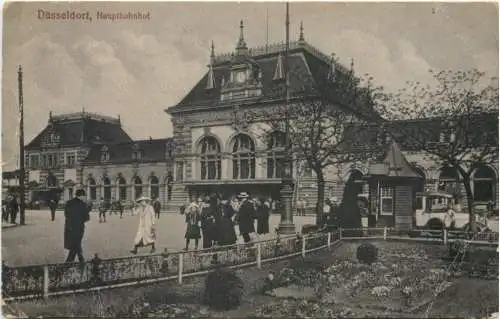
(22, 202)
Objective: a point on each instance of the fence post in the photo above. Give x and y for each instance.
(181, 265)
(45, 281)
(303, 246)
(385, 232)
(329, 239)
(445, 236)
(340, 232)
(259, 257)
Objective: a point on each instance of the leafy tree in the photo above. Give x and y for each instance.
(325, 120)
(455, 122)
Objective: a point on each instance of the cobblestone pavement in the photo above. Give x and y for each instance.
(41, 240)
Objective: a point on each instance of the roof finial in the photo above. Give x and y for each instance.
(352, 65)
(50, 115)
(301, 36)
(241, 48)
(210, 76)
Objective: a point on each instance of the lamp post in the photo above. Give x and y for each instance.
(286, 225)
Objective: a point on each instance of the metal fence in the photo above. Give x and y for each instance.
(96, 274)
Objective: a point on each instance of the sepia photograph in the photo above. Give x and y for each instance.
(250, 159)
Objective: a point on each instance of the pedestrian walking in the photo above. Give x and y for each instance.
(14, 209)
(146, 232)
(246, 215)
(53, 207)
(5, 210)
(157, 207)
(263, 212)
(76, 214)
(207, 223)
(226, 232)
(192, 213)
(103, 207)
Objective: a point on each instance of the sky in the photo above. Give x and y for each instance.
(138, 68)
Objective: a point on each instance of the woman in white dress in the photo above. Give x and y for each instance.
(146, 233)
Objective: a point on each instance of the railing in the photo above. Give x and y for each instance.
(56, 279)
(96, 274)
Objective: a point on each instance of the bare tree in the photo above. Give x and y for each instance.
(325, 119)
(455, 123)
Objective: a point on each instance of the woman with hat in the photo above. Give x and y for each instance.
(146, 234)
(246, 215)
(192, 213)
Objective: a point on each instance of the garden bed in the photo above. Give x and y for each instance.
(403, 282)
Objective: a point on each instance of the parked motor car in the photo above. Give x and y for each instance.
(433, 207)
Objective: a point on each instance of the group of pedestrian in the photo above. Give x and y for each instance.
(212, 219)
(10, 208)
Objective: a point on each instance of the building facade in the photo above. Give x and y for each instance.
(125, 171)
(220, 148)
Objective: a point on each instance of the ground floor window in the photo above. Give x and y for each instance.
(386, 200)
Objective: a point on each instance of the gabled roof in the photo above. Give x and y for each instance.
(152, 151)
(398, 165)
(81, 129)
(307, 66)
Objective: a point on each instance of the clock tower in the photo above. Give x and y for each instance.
(245, 76)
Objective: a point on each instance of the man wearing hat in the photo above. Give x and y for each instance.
(76, 213)
(146, 233)
(246, 215)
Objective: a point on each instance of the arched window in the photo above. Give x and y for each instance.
(106, 188)
(137, 187)
(122, 188)
(484, 184)
(448, 178)
(210, 157)
(275, 155)
(154, 188)
(92, 189)
(51, 181)
(243, 157)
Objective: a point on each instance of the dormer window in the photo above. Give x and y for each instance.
(169, 150)
(104, 154)
(136, 153)
(447, 136)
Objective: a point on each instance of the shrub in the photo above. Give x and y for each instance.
(223, 289)
(366, 253)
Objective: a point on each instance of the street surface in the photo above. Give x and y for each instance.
(41, 240)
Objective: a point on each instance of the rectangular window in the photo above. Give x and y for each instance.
(104, 156)
(34, 161)
(70, 159)
(50, 160)
(179, 172)
(386, 201)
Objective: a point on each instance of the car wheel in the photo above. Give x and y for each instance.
(434, 224)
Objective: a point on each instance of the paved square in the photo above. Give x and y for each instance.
(41, 240)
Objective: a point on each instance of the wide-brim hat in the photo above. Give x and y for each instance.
(140, 199)
(243, 195)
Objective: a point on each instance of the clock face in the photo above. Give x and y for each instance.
(240, 77)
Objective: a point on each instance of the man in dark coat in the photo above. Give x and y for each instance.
(157, 207)
(207, 223)
(14, 208)
(76, 213)
(246, 215)
(52, 207)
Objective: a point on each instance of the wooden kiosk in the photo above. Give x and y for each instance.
(392, 184)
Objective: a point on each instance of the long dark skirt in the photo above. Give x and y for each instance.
(263, 225)
(193, 232)
(226, 232)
